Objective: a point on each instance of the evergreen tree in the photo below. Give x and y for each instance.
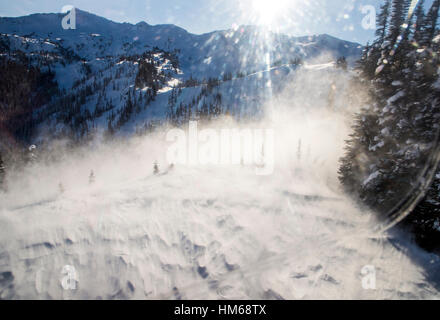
(368, 62)
(91, 177)
(2, 174)
(61, 188)
(399, 10)
(393, 138)
(420, 19)
(382, 22)
(32, 154)
(431, 23)
(342, 63)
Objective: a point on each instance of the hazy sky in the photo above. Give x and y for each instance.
(340, 18)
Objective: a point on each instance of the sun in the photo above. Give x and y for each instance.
(267, 11)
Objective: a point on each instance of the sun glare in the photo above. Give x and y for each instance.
(267, 11)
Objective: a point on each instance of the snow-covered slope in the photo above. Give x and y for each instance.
(191, 231)
(97, 65)
(199, 234)
(203, 231)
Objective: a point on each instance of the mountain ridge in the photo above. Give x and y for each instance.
(145, 23)
(49, 25)
(113, 75)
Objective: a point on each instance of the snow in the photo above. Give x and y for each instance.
(396, 97)
(385, 131)
(252, 235)
(320, 66)
(371, 177)
(203, 232)
(242, 49)
(118, 39)
(380, 144)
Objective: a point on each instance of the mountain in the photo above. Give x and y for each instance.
(123, 77)
(226, 50)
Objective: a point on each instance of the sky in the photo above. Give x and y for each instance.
(340, 18)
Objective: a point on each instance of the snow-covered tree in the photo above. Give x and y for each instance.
(393, 137)
(342, 63)
(32, 154)
(91, 177)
